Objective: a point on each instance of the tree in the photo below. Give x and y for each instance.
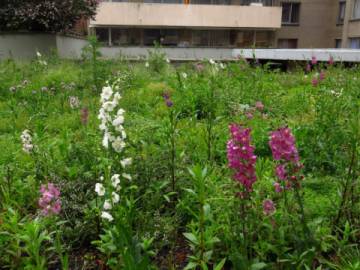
(44, 15)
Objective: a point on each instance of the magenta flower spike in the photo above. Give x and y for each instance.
(241, 157)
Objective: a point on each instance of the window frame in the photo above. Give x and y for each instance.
(356, 8)
(289, 23)
(342, 6)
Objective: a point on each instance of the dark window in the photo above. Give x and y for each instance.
(290, 13)
(102, 35)
(201, 38)
(264, 2)
(163, 1)
(355, 43)
(338, 43)
(287, 43)
(341, 15)
(151, 36)
(121, 37)
(210, 2)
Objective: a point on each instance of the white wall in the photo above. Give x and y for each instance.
(25, 46)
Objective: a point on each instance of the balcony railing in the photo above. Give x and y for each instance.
(193, 16)
(202, 2)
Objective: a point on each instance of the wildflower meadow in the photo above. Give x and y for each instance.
(111, 164)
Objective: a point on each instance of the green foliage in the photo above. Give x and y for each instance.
(169, 218)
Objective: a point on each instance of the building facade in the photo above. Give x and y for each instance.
(229, 23)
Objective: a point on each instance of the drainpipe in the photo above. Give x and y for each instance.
(345, 29)
(110, 39)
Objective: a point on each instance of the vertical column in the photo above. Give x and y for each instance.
(345, 29)
(110, 39)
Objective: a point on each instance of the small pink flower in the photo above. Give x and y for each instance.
(278, 187)
(313, 60)
(268, 207)
(199, 67)
(259, 105)
(84, 115)
(315, 81)
(322, 76)
(281, 171)
(308, 68)
(331, 61)
(249, 115)
(49, 201)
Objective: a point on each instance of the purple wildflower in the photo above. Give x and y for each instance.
(167, 100)
(315, 81)
(49, 201)
(84, 115)
(241, 157)
(169, 103)
(268, 207)
(259, 105)
(281, 171)
(313, 60)
(322, 75)
(282, 144)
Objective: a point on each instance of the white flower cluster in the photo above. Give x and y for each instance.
(337, 94)
(27, 141)
(41, 62)
(111, 122)
(112, 119)
(217, 65)
(113, 194)
(74, 102)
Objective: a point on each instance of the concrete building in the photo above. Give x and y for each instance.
(229, 23)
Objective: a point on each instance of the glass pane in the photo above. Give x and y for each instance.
(200, 2)
(169, 37)
(102, 35)
(356, 14)
(287, 43)
(200, 38)
(355, 43)
(342, 11)
(151, 36)
(119, 36)
(295, 11)
(286, 8)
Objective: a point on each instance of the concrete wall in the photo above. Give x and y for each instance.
(69, 47)
(354, 29)
(25, 46)
(317, 26)
(177, 54)
(170, 15)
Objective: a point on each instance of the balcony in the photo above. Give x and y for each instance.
(202, 16)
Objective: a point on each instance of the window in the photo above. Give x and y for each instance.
(338, 43)
(356, 12)
(201, 38)
(163, 1)
(102, 35)
(290, 43)
(341, 15)
(210, 2)
(166, 37)
(264, 2)
(121, 37)
(290, 13)
(355, 43)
